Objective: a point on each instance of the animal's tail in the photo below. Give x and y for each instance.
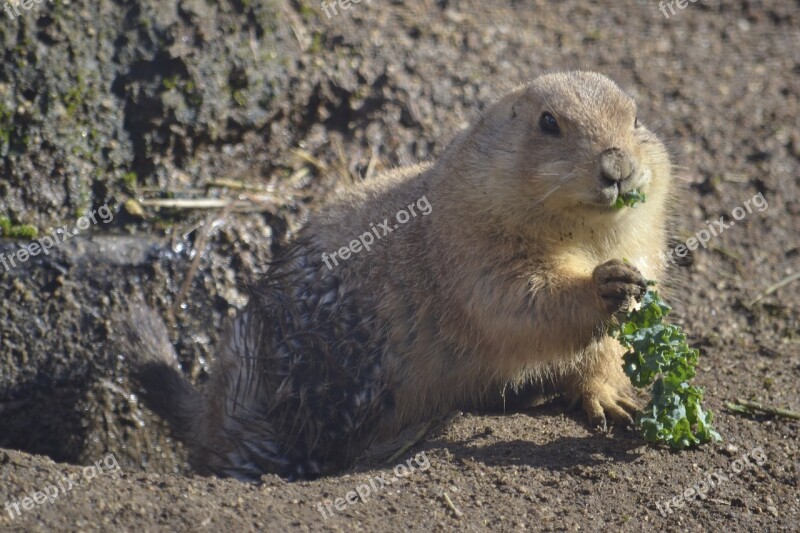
(164, 388)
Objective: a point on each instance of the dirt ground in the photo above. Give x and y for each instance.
(123, 103)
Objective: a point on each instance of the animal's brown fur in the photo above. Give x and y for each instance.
(513, 277)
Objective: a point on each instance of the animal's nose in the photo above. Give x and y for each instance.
(616, 165)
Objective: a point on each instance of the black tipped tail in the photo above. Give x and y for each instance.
(163, 387)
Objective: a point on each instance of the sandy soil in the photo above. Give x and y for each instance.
(105, 102)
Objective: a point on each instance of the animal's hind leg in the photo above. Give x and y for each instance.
(598, 382)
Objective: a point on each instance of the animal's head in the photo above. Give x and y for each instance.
(567, 143)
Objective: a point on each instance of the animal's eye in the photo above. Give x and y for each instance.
(548, 124)
(636, 123)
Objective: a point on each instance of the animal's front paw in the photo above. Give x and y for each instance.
(603, 400)
(619, 284)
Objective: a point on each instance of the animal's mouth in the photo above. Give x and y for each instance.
(608, 195)
(628, 192)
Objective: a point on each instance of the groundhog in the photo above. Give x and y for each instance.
(434, 288)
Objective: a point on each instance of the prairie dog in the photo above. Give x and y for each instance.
(508, 274)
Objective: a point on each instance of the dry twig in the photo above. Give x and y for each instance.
(452, 506)
(774, 287)
(750, 407)
(199, 248)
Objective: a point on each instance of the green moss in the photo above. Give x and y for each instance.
(316, 43)
(594, 35)
(171, 83)
(361, 92)
(6, 128)
(195, 99)
(165, 221)
(130, 179)
(187, 87)
(80, 151)
(307, 13)
(239, 97)
(23, 231)
(75, 97)
(84, 200)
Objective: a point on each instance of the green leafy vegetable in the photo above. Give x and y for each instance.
(658, 354)
(630, 198)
